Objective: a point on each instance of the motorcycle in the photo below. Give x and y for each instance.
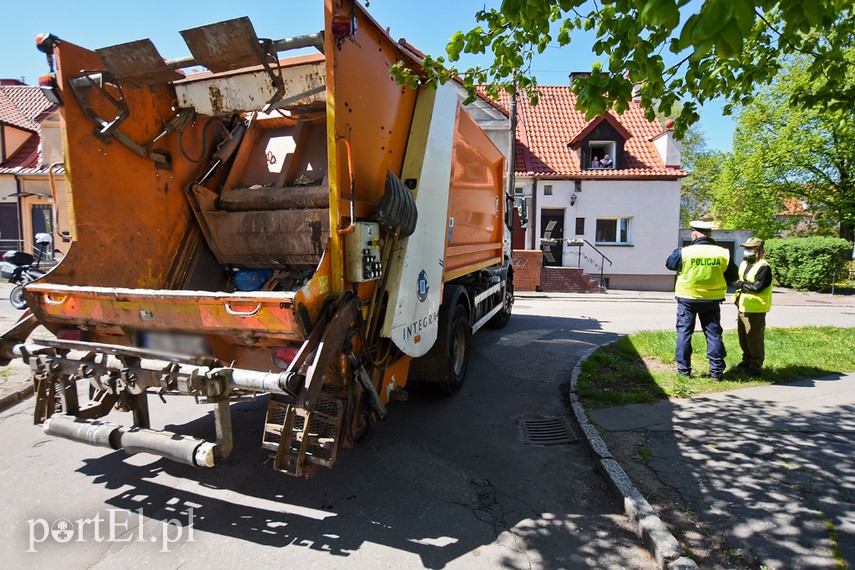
(21, 268)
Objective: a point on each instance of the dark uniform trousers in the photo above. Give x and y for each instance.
(751, 328)
(710, 315)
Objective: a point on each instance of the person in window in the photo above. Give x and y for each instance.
(704, 269)
(595, 163)
(606, 162)
(753, 300)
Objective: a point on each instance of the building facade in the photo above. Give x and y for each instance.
(33, 196)
(602, 195)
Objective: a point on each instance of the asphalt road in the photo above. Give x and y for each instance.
(446, 482)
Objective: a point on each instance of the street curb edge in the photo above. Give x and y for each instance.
(666, 550)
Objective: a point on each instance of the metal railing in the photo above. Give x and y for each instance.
(579, 243)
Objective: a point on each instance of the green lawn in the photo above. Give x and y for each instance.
(640, 368)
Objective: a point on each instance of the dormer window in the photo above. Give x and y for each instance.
(602, 154)
(600, 145)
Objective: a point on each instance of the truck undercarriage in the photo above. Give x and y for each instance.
(336, 238)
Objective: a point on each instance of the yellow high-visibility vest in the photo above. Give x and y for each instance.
(702, 274)
(753, 301)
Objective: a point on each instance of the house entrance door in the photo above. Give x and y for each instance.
(42, 224)
(9, 236)
(552, 238)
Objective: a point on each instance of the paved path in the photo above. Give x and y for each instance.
(773, 466)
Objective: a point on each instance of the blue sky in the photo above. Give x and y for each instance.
(427, 25)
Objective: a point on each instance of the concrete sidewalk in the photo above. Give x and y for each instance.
(772, 467)
(781, 297)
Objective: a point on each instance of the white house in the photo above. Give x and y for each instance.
(623, 216)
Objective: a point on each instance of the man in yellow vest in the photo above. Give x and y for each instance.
(753, 299)
(703, 271)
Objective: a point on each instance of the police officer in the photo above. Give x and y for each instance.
(753, 300)
(703, 271)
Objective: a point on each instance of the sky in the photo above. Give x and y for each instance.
(426, 25)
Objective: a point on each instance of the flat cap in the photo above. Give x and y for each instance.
(752, 242)
(702, 226)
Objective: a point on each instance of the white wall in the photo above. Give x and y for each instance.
(51, 140)
(653, 206)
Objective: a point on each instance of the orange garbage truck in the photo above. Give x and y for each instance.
(295, 226)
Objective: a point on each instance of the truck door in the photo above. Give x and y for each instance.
(552, 238)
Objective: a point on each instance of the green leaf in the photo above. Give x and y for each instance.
(659, 14)
(455, 46)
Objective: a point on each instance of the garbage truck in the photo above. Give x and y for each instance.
(248, 222)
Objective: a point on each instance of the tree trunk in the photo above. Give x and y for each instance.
(847, 231)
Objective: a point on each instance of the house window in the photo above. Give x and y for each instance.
(580, 226)
(613, 230)
(602, 154)
(547, 190)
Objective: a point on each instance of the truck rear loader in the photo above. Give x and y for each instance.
(302, 227)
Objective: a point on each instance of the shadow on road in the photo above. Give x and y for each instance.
(771, 479)
(442, 478)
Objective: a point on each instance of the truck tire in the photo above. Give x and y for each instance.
(443, 369)
(500, 319)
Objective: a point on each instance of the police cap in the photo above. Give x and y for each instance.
(702, 226)
(752, 242)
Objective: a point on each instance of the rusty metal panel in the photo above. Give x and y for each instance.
(267, 239)
(250, 90)
(198, 312)
(137, 63)
(224, 46)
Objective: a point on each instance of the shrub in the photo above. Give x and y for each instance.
(808, 263)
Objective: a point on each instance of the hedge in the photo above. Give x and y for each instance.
(808, 263)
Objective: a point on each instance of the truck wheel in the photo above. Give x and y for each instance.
(443, 369)
(16, 297)
(500, 319)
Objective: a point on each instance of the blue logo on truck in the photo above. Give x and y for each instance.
(423, 286)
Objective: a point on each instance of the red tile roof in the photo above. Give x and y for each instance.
(545, 131)
(10, 114)
(29, 100)
(26, 157)
(24, 107)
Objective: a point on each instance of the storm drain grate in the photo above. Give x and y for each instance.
(540, 430)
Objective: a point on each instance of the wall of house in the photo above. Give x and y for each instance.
(7, 186)
(51, 140)
(40, 185)
(654, 211)
(13, 138)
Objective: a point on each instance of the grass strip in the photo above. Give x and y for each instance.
(640, 368)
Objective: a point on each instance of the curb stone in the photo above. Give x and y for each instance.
(666, 550)
(10, 400)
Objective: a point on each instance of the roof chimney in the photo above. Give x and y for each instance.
(668, 147)
(575, 74)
